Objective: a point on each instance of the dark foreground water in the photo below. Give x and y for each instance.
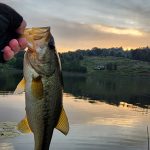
(105, 113)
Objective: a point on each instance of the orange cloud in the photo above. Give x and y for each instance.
(121, 31)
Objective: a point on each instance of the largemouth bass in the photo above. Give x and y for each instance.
(43, 88)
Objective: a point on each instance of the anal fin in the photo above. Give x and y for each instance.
(63, 124)
(23, 126)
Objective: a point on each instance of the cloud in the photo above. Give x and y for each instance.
(89, 23)
(116, 13)
(119, 31)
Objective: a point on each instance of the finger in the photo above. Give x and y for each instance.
(8, 53)
(22, 27)
(22, 43)
(14, 45)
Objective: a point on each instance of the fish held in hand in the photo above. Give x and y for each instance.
(43, 88)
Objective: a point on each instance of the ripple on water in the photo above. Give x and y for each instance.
(8, 129)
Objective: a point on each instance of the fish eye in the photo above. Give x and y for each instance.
(51, 46)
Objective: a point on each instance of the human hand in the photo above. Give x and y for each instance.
(12, 26)
(15, 45)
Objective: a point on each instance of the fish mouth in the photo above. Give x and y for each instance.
(36, 34)
(36, 30)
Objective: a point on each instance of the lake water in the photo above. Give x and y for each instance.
(105, 113)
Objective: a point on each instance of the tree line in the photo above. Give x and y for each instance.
(142, 54)
(71, 61)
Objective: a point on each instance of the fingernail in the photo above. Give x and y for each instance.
(8, 53)
(14, 45)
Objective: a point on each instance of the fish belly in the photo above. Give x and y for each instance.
(43, 114)
(41, 123)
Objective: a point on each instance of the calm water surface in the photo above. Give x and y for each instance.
(105, 113)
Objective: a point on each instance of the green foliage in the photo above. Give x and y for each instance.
(16, 62)
(71, 62)
(74, 66)
(76, 61)
(111, 66)
(142, 54)
(19, 63)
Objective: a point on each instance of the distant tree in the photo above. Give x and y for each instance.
(109, 66)
(115, 66)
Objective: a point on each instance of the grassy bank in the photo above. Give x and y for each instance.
(125, 66)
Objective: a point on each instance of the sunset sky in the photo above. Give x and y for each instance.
(83, 24)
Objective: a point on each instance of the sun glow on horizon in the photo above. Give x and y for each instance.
(67, 49)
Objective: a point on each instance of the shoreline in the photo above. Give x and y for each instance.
(90, 73)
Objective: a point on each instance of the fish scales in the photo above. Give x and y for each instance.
(43, 89)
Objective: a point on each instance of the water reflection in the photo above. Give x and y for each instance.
(94, 123)
(9, 81)
(6, 146)
(112, 90)
(93, 126)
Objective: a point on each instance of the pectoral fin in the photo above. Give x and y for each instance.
(20, 87)
(37, 87)
(63, 124)
(23, 126)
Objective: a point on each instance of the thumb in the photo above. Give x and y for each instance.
(22, 27)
